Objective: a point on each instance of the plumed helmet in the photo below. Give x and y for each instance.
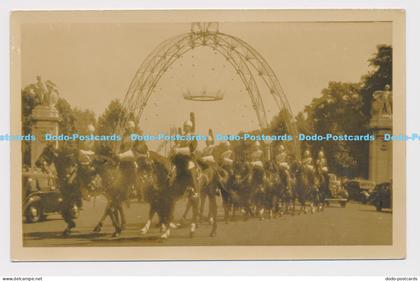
(307, 154)
(321, 154)
(131, 124)
(209, 140)
(91, 128)
(281, 148)
(188, 123)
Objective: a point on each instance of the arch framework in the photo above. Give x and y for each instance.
(243, 58)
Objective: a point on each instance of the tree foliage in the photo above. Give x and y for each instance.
(344, 108)
(378, 77)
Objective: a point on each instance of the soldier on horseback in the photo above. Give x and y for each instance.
(184, 178)
(307, 159)
(322, 173)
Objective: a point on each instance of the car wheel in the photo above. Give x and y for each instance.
(34, 213)
(343, 204)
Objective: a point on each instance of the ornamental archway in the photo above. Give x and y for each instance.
(245, 60)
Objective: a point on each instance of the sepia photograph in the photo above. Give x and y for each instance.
(184, 135)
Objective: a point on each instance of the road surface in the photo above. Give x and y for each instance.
(355, 224)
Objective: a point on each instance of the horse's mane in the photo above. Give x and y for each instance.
(160, 161)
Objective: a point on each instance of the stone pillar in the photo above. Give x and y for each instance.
(44, 121)
(380, 151)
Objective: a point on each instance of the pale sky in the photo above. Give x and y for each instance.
(95, 63)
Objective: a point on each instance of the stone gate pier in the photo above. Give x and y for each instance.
(380, 151)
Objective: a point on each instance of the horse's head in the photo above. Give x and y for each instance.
(65, 162)
(240, 171)
(257, 173)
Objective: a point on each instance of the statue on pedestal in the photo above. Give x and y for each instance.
(44, 116)
(382, 102)
(380, 152)
(46, 93)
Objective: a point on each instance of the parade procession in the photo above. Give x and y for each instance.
(105, 180)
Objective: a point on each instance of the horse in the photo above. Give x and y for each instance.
(305, 187)
(189, 181)
(240, 189)
(116, 179)
(155, 170)
(229, 198)
(324, 187)
(273, 188)
(71, 178)
(286, 192)
(257, 182)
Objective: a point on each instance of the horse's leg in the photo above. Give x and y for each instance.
(226, 201)
(187, 209)
(67, 215)
(115, 218)
(203, 197)
(122, 216)
(99, 225)
(195, 207)
(145, 229)
(213, 214)
(166, 215)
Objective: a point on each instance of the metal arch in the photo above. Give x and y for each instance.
(259, 64)
(239, 54)
(142, 86)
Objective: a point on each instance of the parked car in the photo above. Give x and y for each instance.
(359, 189)
(337, 193)
(41, 196)
(381, 196)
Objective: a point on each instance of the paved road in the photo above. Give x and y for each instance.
(354, 225)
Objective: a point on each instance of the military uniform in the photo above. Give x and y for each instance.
(307, 160)
(281, 158)
(321, 163)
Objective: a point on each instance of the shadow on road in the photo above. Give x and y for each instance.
(59, 235)
(388, 211)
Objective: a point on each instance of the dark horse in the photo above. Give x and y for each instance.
(240, 189)
(72, 178)
(155, 170)
(324, 187)
(187, 181)
(306, 187)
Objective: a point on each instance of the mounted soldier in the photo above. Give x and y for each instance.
(229, 197)
(322, 173)
(184, 178)
(284, 191)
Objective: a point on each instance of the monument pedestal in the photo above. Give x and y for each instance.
(44, 121)
(380, 151)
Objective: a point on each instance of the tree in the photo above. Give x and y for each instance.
(83, 118)
(339, 111)
(67, 120)
(380, 76)
(110, 119)
(108, 123)
(344, 108)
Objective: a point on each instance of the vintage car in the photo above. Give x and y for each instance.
(359, 189)
(337, 193)
(381, 196)
(41, 196)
